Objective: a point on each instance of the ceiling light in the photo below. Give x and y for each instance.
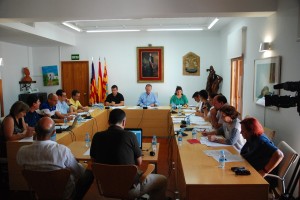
(213, 23)
(71, 26)
(175, 29)
(110, 31)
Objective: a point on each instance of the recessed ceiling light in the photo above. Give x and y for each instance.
(213, 23)
(110, 31)
(175, 29)
(72, 26)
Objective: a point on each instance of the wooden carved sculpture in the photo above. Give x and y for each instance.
(213, 81)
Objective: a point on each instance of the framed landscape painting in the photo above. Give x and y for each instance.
(150, 64)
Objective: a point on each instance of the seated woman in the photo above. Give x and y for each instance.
(231, 129)
(205, 106)
(179, 98)
(259, 151)
(13, 126)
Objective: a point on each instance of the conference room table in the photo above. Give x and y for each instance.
(153, 121)
(199, 177)
(82, 153)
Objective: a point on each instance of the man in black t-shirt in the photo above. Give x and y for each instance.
(114, 98)
(115, 146)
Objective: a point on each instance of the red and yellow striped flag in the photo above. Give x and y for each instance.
(99, 95)
(104, 82)
(93, 89)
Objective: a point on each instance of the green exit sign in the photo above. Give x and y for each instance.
(75, 57)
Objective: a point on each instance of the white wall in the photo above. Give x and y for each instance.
(120, 53)
(15, 58)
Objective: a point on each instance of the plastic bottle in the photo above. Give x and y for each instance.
(154, 143)
(194, 134)
(188, 121)
(87, 140)
(179, 110)
(179, 138)
(222, 159)
(65, 120)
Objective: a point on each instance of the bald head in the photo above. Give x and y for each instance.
(45, 128)
(52, 99)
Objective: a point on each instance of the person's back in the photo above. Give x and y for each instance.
(115, 146)
(118, 147)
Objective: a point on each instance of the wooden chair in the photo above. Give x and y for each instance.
(115, 181)
(47, 184)
(290, 156)
(269, 133)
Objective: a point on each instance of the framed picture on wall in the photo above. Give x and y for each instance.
(150, 64)
(50, 75)
(267, 74)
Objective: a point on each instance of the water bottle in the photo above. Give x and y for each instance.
(188, 121)
(179, 110)
(65, 120)
(179, 138)
(194, 134)
(173, 105)
(87, 140)
(154, 143)
(222, 159)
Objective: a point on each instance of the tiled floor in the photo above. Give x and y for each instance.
(162, 168)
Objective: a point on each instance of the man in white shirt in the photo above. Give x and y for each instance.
(46, 155)
(62, 105)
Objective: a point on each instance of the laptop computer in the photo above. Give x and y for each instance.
(61, 128)
(138, 133)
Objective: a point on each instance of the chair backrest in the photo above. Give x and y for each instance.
(290, 156)
(47, 184)
(114, 181)
(269, 133)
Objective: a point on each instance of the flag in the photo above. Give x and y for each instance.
(93, 89)
(99, 95)
(104, 82)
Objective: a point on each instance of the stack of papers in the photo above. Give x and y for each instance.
(204, 140)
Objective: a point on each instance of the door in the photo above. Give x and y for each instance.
(75, 75)
(237, 78)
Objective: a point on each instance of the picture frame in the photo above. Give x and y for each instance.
(150, 64)
(266, 75)
(50, 75)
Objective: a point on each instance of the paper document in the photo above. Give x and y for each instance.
(229, 156)
(189, 111)
(87, 153)
(114, 107)
(134, 107)
(204, 140)
(27, 139)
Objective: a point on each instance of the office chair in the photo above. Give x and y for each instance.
(115, 181)
(290, 156)
(47, 184)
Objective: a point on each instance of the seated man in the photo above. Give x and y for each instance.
(45, 154)
(49, 109)
(74, 101)
(62, 103)
(115, 98)
(32, 117)
(148, 98)
(116, 146)
(216, 118)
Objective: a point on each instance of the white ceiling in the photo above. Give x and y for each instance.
(137, 14)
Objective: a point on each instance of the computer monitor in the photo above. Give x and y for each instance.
(138, 133)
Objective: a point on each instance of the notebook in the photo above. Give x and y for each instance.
(60, 128)
(138, 133)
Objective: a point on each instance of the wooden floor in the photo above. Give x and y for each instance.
(163, 167)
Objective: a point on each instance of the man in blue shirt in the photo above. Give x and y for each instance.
(62, 105)
(148, 98)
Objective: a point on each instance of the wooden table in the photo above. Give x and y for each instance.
(78, 149)
(199, 177)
